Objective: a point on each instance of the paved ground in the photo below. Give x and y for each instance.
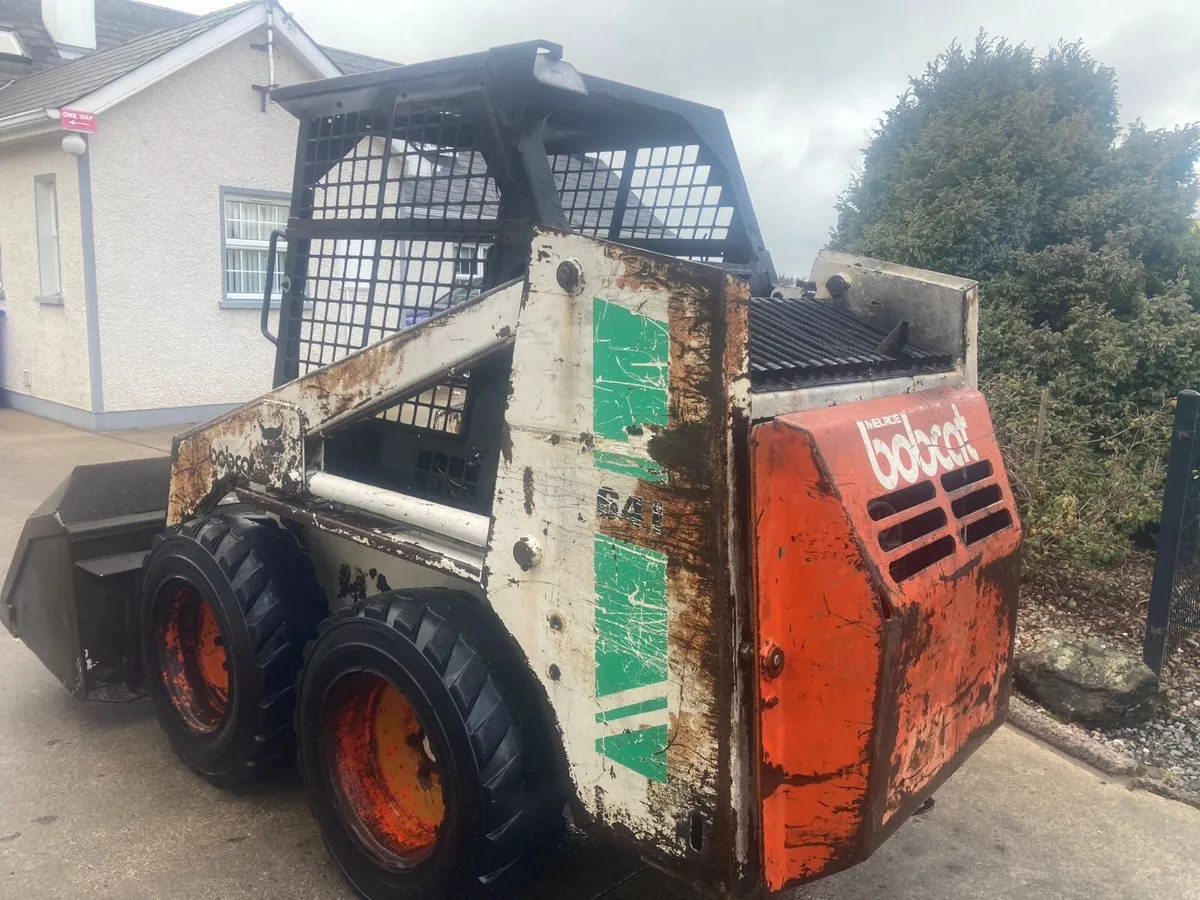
(94, 804)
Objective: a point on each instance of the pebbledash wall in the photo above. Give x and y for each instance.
(45, 349)
(169, 351)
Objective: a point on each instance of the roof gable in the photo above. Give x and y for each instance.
(67, 83)
(125, 65)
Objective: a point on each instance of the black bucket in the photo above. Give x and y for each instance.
(72, 590)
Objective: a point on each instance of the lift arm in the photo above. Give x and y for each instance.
(264, 441)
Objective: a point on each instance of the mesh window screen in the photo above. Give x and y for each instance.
(588, 185)
(360, 291)
(438, 409)
(668, 193)
(671, 196)
(445, 475)
(428, 169)
(365, 173)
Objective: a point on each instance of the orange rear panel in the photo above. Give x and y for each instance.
(886, 557)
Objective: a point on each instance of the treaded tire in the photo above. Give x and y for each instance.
(264, 596)
(447, 655)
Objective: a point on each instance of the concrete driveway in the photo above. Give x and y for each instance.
(94, 804)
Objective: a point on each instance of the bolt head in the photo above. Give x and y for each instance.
(569, 275)
(527, 552)
(772, 661)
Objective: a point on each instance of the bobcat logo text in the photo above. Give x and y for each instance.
(910, 452)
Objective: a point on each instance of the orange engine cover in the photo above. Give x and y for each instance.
(886, 568)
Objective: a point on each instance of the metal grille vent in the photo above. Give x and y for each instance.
(914, 520)
(798, 340)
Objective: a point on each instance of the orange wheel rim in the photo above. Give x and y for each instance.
(384, 770)
(192, 659)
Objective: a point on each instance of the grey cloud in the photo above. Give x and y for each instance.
(802, 83)
(1158, 66)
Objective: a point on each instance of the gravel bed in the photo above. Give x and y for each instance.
(1111, 606)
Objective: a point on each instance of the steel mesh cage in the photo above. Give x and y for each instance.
(417, 186)
(360, 176)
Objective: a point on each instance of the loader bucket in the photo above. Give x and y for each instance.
(72, 588)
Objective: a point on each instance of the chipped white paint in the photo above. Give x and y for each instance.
(743, 753)
(345, 566)
(769, 404)
(442, 557)
(641, 740)
(558, 476)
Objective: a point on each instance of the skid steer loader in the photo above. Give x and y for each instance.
(558, 502)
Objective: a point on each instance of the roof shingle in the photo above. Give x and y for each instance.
(63, 84)
(352, 63)
(128, 34)
(120, 21)
(25, 18)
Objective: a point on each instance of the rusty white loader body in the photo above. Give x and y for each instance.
(728, 570)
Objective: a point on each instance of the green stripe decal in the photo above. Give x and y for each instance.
(645, 469)
(631, 616)
(630, 356)
(629, 371)
(624, 712)
(644, 751)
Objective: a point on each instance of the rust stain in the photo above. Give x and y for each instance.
(506, 444)
(191, 477)
(736, 360)
(895, 682)
(357, 379)
(527, 487)
(809, 602)
(685, 518)
(684, 447)
(192, 661)
(202, 471)
(381, 767)
(344, 526)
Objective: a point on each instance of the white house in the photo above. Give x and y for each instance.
(132, 257)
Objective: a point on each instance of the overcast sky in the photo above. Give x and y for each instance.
(802, 83)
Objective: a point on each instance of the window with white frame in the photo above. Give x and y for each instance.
(45, 195)
(469, 262)
(10, 43)
(249, 221)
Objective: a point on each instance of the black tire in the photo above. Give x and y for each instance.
(263, 594)
(443, 651)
